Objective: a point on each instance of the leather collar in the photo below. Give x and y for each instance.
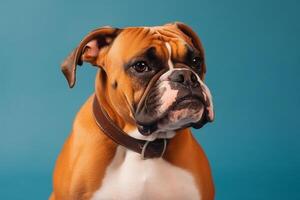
(147, 149)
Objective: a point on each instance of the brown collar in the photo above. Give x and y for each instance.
(147, 149)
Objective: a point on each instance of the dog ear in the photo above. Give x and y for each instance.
(87, 51)
(188, 31)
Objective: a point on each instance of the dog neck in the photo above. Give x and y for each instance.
(147, 149)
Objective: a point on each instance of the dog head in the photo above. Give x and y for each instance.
(150, 75)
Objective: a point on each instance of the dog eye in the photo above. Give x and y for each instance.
(197, 61)
(141, 66)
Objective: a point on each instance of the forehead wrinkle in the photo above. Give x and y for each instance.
(144, 53)
(176, 40)
(179, 50)
(137, 39)
(166, 33)
(132, 41)
(170, 63)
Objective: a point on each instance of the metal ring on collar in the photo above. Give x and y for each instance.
(145, 147)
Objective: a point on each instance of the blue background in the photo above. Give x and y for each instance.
(253, 60)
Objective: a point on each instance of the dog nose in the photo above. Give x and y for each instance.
(185, 77)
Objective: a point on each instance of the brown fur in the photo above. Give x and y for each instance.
(87, 152)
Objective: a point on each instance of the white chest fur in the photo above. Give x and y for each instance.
(128, 177)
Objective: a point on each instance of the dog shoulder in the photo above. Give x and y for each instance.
(83, 158)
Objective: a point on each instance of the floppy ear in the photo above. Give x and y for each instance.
(87, 51)
(188, 31)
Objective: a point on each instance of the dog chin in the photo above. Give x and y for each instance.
(180, 115)
(174, 120)
(180, 118)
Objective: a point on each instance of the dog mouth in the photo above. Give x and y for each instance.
(187, 101)
(191, 102)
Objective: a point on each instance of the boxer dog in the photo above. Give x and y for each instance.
(131, 139)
